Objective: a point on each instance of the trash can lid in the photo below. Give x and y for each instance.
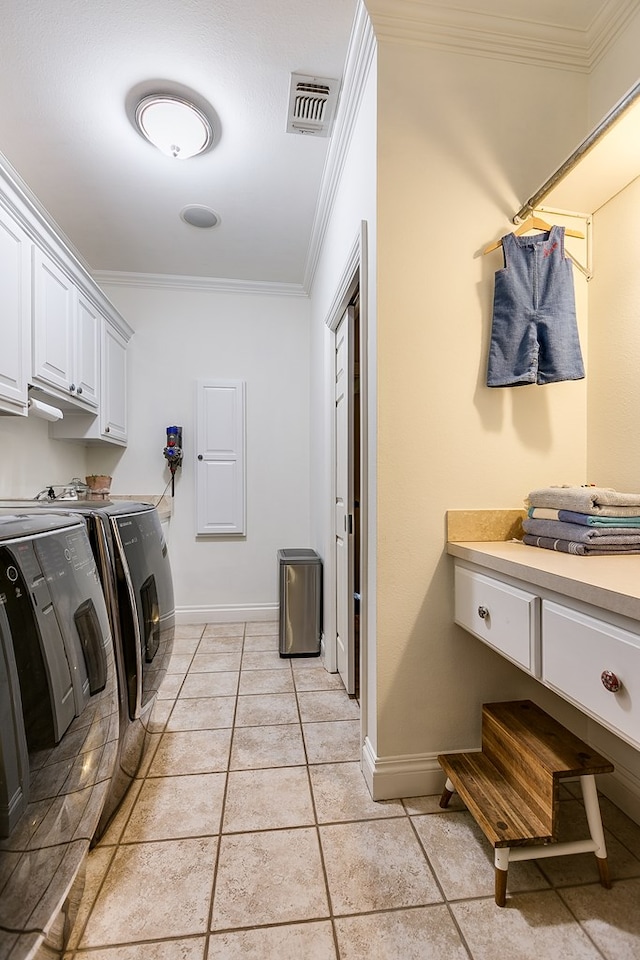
(301, 554)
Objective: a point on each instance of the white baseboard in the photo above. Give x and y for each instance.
(420, 775)
(622, 787)
(389, 778)
(230, 613)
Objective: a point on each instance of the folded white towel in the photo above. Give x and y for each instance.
(596, 501)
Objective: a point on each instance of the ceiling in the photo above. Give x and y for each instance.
(68, 67)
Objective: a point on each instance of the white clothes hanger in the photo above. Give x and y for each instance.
(533, 223)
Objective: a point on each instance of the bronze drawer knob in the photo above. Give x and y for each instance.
(610, 681)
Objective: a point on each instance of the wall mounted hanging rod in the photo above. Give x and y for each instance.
(609, 121)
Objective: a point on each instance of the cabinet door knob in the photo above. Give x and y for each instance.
(483, 612)
(79, 391)
(610, 681)
(200, 457)
(107, 429)
(72, 387)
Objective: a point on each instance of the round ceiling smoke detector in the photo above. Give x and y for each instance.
(197, 215)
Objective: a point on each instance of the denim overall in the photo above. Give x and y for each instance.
(534, 335)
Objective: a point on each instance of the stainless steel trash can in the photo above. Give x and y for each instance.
(300, 579)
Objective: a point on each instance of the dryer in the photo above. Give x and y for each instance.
(60, 717)
(133, 560)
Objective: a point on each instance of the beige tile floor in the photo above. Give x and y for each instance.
(250, 835)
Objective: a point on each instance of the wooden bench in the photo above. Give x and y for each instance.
(511, 786)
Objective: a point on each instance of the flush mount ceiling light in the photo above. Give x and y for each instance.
(175, 126)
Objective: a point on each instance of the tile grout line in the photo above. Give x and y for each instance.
(558, 892)
(445, 900)
(323, 865)
(209, 932)
(148, 759)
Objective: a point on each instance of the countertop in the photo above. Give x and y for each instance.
(164, 505)
(612, 583)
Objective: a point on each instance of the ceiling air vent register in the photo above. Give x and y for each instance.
(312, 105)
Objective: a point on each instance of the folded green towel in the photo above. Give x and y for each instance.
(585, 519)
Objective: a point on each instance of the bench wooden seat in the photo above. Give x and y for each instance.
(511, 787)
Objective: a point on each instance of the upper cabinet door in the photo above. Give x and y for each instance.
(15, 315)
(54, 304)
(87, 351)
(113, 408)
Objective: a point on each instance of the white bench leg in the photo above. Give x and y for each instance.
(594, 819)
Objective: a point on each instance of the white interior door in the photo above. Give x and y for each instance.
(345, 646)
(220, 470)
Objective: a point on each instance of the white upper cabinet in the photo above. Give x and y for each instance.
(111, 423)
(113, 411)
(65, 336)
(60, 337)
(87, 351)
(15, 315)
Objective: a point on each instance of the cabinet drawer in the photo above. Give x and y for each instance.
(504, 617)
(576, 649)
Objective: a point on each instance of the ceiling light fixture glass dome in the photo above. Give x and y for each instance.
(175, 126)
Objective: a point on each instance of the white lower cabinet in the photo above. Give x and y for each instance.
(504, 617)
(584, 657)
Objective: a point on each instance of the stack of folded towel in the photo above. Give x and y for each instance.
(586, 521)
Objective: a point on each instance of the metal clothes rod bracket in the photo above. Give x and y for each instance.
(585, 269)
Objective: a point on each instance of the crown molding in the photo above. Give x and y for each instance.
(609, 23)
(484, 34)
(360, 55)
(212, 284)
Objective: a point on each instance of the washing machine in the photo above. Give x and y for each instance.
(132, 557)
(60, 719)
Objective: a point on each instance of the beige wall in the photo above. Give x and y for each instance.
(31, 461)
(462, 141)
(613, 447)
(614, 338)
